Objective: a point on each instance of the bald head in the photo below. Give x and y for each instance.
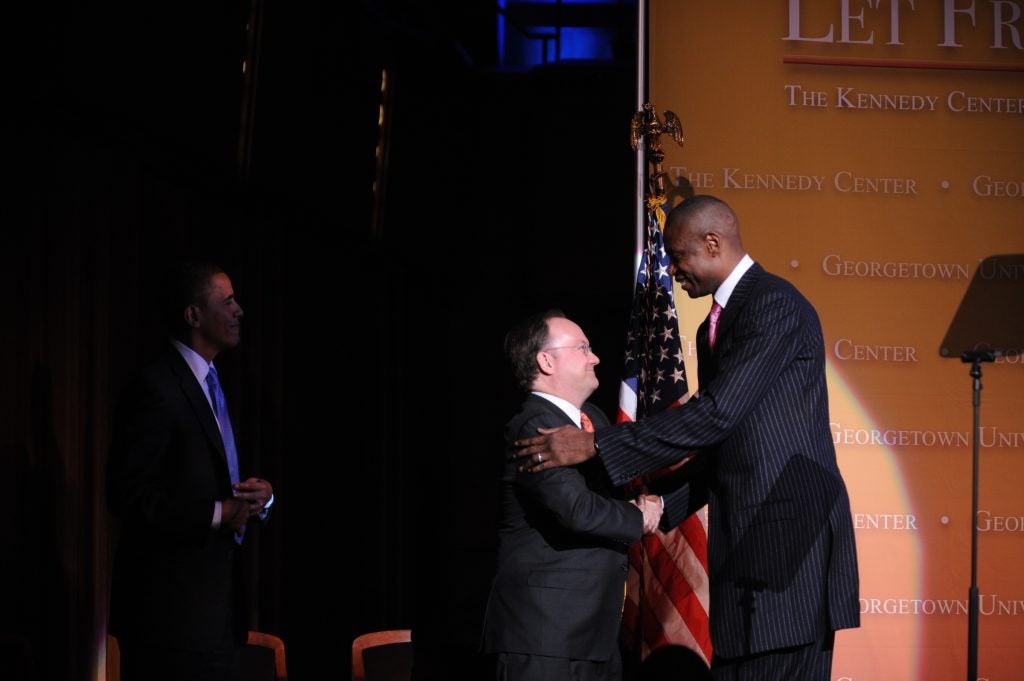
(704, 214)
(702, 238)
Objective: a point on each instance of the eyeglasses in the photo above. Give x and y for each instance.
(582, 347)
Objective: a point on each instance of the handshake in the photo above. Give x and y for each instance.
(652, 506)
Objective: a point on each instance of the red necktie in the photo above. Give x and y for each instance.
(587, 424)
(716, 312)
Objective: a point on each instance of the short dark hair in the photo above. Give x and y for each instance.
(524, 341)
(693, 206)
(185, 283)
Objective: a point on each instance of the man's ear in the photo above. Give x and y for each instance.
(192, 316)
(713, 243)
(544, 363)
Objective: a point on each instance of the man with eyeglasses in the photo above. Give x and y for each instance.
(781, 555)
(556, 601)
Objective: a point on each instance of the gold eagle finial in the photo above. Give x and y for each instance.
(645, 123)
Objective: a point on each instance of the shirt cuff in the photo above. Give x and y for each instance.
(266, 509)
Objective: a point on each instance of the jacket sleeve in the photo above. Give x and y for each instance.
(765, 338)
(148, 483)
(576, 507)
(684, 490)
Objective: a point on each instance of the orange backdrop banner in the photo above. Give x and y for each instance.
(874, 152)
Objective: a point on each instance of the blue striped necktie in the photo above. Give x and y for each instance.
(220, 409)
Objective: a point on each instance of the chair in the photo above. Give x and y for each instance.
(383, 656)
(113, 659)
(262, 658)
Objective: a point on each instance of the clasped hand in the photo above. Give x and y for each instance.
(650, 506)
(250, 498)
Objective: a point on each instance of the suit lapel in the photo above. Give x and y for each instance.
(740, 296)
(539, 401)
(707, 358)
(702, 333)
(196, 399)
(597, 416)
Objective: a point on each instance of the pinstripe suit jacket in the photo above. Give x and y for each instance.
(561, 555)
(782, 560)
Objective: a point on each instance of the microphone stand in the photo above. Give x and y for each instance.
(989, 323)
(975, 358)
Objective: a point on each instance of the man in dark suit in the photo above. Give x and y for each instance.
(782, 562)
(177, 599)
(556, 601)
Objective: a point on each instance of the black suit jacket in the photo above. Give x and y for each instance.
(176, 582)
(562, 553)
(781, 554)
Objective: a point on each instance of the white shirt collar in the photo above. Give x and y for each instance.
(724, 291)
(199, 366)
(570, 409)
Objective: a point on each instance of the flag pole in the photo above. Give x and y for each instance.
(653, 352)
(640, 188)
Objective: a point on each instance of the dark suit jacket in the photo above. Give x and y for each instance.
(176, 583)
(562, 553)
(782, 561)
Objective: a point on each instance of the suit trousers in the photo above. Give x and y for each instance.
(518, 667)
(811, 662)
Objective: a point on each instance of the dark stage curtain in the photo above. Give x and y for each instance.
(369, 386)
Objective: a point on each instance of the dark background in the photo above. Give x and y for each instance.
(369, 386)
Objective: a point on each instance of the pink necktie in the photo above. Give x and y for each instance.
(587, 424)
(716, 312)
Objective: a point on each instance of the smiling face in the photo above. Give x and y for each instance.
(215, 320)
(693, 261)
(703, 244)
(566, 363)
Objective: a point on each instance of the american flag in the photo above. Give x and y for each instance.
(667, 584)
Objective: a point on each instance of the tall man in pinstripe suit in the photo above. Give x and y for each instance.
(782, 561)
